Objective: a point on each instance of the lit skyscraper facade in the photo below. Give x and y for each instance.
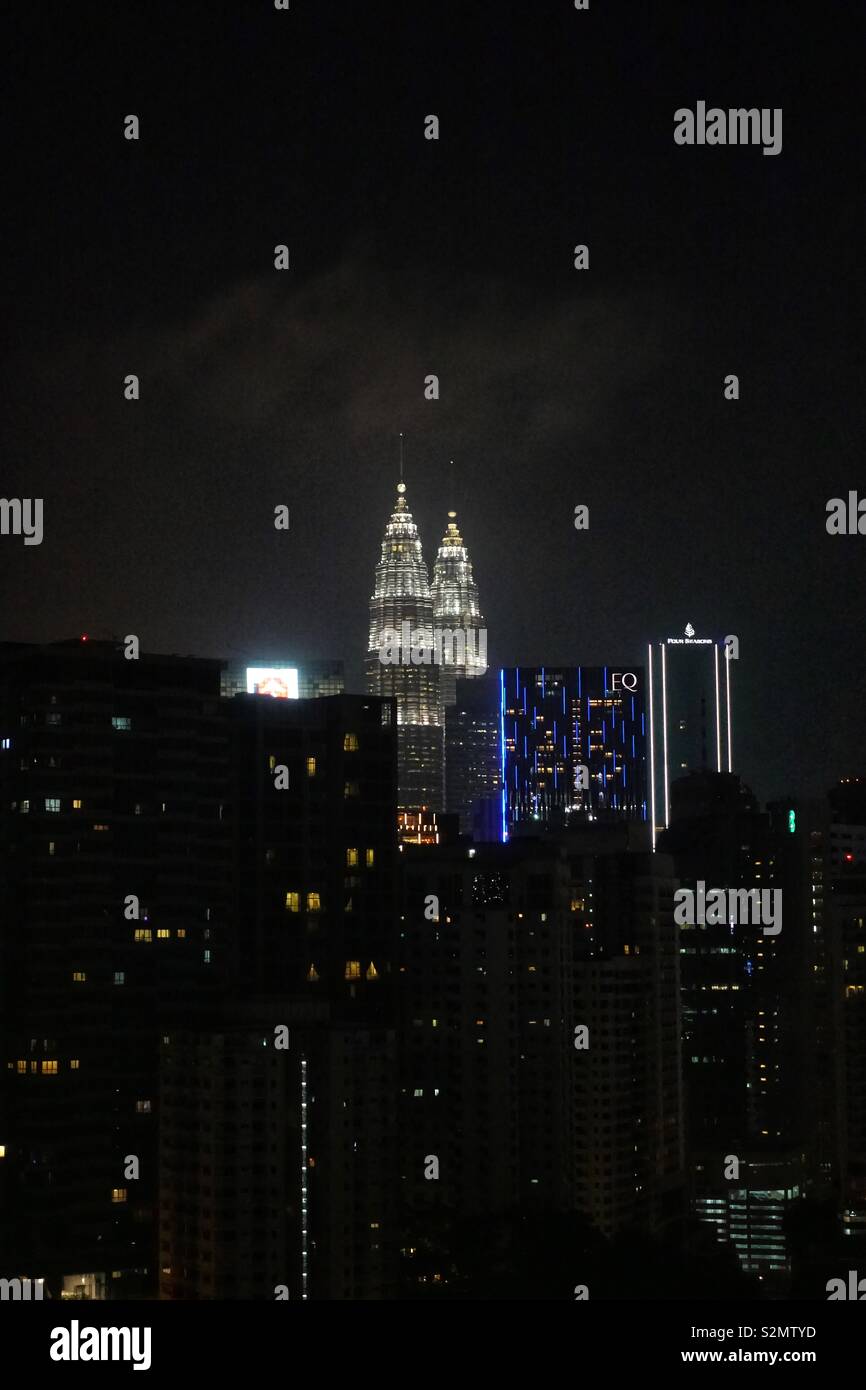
(690, 709)
(401, 628)
(573, 743)
(471, 717)
(456, 611)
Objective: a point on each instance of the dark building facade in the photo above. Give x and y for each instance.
(277, 1157)
(630, 1140)
(529, 943)
(846, 909)
(314, 784)
(278, 1162)
(749, 1018)
(172, 862)
(116, 854)
(473, 773)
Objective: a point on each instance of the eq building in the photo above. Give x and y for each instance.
(572, 745)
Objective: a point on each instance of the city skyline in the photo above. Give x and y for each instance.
(432, 752)
(557, 387)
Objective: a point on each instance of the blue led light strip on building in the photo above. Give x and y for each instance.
(503, 829)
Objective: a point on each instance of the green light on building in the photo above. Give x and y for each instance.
(792, 821)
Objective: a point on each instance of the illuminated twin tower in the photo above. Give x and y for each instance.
(422, 638)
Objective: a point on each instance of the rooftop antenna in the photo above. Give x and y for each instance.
(451, 489)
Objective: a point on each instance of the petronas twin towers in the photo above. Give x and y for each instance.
(423, 638)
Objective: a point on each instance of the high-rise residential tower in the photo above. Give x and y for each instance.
(115, 913)
(401, 660)
(749, 1002)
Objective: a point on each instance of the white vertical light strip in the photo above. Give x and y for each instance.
(652, 739)
(728, 700)
(718, 711)
(665, 732)
(304, 1214)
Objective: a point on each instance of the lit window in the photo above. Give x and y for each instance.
(74, 1063)
(49, 1068)
(351, 858)
(372, 972)
(120, 721)
(371, 858)
(79, 976)
(162, 933)
(353, 970)
(21, 1066)
(207, 957)
(386, 715)
(143, 934)
(312, 974)
(118, 1194)
(76, 803)
(311, 767)
(52, 803)
(6, 743)
(50, 846)
(181, 931)
(351, 789)
(2, 1150)
(119, 977)
(314, 902)
(100, 827)
(25, 807)
(293, 902)
(142, 1107)
(350, 743)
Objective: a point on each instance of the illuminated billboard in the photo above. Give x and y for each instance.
(279, 681)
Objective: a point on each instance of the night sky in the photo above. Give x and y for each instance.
(455, 257)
